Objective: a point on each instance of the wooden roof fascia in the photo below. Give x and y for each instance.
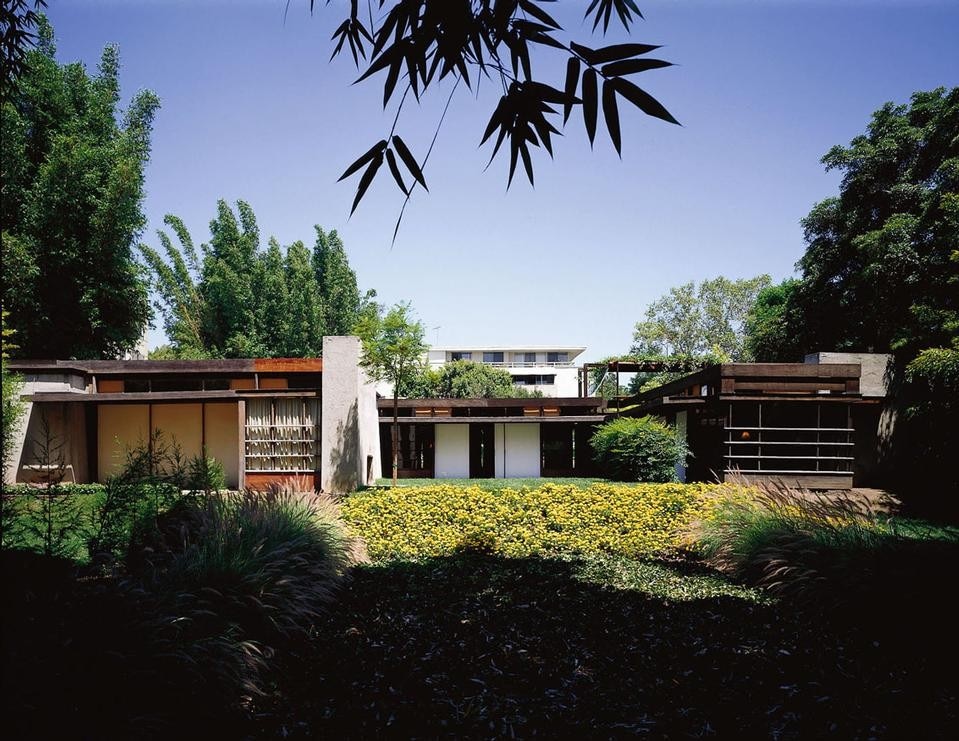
(598, 418)
(562, 401)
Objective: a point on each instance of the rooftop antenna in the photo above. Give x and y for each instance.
(437, 330)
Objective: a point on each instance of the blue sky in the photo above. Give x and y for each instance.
(252, 110)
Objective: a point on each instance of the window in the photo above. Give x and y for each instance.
(492, 357)
(525, 357)
(461, 356)
(557, 357)
(282, 434)
(534, 380)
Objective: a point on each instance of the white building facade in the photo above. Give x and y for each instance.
(549, 369)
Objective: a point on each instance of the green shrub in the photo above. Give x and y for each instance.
(206, 474)
(634, 520)
(638, 449)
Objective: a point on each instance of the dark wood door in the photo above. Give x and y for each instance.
(481, 450)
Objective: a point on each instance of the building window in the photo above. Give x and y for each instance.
(461, 356)
(282, 435)
(557, 357)
(525, 357)
(492, 357)
(534, 380)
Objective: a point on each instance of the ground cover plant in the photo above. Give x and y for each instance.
(439, 520)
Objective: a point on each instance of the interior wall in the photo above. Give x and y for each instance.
(452, 446)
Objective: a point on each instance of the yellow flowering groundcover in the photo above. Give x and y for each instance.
(623, 519)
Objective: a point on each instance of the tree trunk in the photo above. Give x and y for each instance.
(396, 433)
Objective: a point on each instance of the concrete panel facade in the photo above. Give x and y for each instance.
(452, 446)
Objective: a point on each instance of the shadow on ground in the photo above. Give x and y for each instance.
(479, 646)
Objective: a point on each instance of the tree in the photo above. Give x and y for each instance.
(19, 22)
(230, 299)
(877, 272)
(694, 321)
(337, 283)
(419, 43)
(773, 329)
(463, 379)
(71, 208)
(393, 344)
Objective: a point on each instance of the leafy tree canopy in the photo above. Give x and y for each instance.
(231, 299)
(72, 172)
(464, 379)
(699, 320)
(770, 323)
(393, 346)
(416, 44)
(878, 272)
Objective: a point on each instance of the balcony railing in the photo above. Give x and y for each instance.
(517, 364)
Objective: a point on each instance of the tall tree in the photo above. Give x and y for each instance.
(305, 326)
(72, 172)
(771, 325)
(337, 283)
(273, 316)
(877, 272)
(693, 321)
(231, 299)
(228, 271)
(393, 344)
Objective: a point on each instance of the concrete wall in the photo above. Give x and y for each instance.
(681, 422)
(452, 451)
(20, 437)
(517, 450)
(876, 367)
(349, 437)
(55, 444)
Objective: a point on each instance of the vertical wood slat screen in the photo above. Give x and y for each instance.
(282, 434)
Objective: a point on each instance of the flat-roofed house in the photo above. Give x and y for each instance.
(264, 419)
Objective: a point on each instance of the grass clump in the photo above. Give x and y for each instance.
(635, 520)
(831, 556)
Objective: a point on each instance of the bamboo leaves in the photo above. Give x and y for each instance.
(372, 160)
(417, 43)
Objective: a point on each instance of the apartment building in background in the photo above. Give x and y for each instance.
(549, 369)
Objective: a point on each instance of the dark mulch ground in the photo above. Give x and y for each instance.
(475, 646)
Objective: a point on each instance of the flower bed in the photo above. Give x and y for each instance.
(624, 519)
